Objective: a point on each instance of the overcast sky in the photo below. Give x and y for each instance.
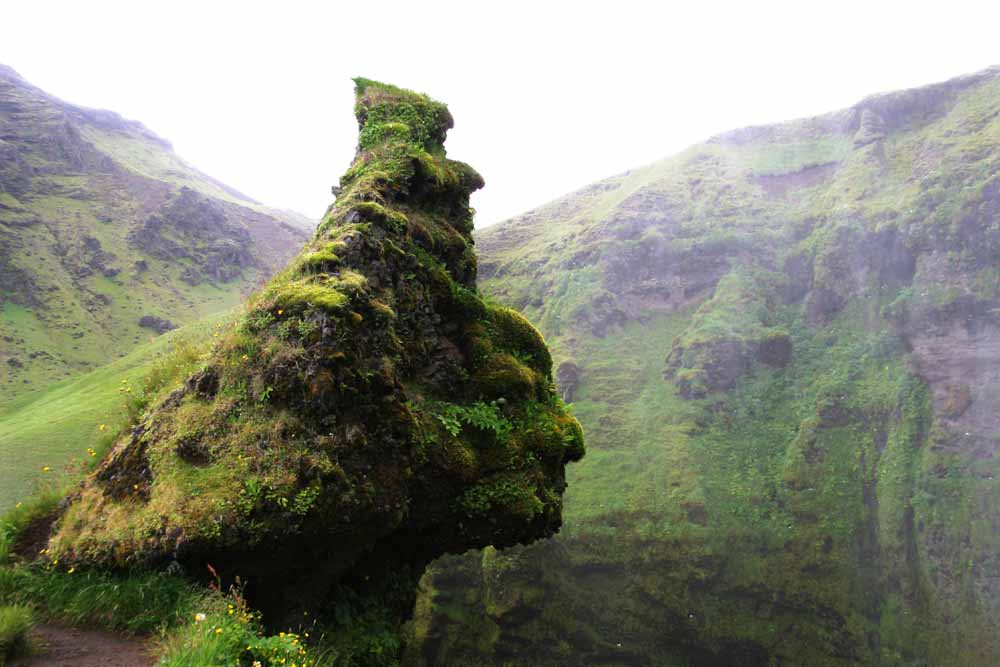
(547, 96)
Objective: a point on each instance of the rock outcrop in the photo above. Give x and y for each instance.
(366, 414)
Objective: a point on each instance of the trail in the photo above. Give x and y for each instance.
(61, 646)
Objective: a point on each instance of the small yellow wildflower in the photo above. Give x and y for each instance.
(199, 617)
(103, 426)
(18, 506)
(46, 469)
(246, 357)
(218, 631)
(71, 570)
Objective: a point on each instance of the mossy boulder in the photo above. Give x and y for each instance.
(367, 413)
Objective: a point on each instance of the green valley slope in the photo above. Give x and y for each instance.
(63, 421)
(108, 238)
(784, 347)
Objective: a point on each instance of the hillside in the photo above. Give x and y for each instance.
(108, 238)
(63, 421)
(783, 346)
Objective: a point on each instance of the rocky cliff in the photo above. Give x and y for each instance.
(368, 412)
(783, 344)
(103, 229)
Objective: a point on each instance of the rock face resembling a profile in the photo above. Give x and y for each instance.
(368, 412)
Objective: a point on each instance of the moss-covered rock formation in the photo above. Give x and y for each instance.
(368, 413)
(784, 345)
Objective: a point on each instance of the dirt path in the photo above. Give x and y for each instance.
(60, 646)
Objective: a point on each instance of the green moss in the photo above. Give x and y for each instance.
(503, 496)
(301, 294)
(513, 332)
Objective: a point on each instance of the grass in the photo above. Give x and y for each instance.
(55, 428)
(16, 622)
(194, 625)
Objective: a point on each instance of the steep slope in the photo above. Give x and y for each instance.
(47, 433)
(107, 238)
(783, 345)
(366, 414)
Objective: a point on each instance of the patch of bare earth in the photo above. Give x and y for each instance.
(60, 646)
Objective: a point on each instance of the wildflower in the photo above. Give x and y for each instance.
(246, 357)
(18, 506)
(46, 469)
(91, 451)
(218, 631)
(71, 570)
(280, 312)
(199, 617)
(102, 427)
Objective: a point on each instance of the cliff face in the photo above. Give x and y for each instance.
(783, 344)
(368, 413)
(102, 225)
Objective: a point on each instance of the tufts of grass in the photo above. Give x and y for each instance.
(16, 622)
(78, 420)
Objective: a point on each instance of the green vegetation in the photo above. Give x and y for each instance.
(101, 225)
(194, 625)
(767, 479)
(71, 423)
(15, 625)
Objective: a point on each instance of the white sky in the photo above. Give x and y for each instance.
(547, 96)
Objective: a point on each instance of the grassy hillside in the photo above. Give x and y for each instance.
(108, 238)
(782, 344)
(55, 427)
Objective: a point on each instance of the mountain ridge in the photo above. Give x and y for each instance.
(782, 346)
(108, 236)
